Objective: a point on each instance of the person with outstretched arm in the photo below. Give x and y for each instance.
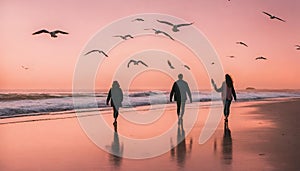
(227, 93)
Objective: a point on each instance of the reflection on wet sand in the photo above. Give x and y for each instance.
(180, 152)
(116, 150)
(227, 145)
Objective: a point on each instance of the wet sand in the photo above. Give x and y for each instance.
(261, 135)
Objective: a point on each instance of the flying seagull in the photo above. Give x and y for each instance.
(170, 65)
(212, 63)
(159, 31)
(125, 37)
(242, 43)
(273, 16)
(136, 62)
(297, 47)
(175, 26)
(187, 67)
(52, 33)
(231, 56)
(137, 19)
(99, 51)
(26, 68)
(261, 57)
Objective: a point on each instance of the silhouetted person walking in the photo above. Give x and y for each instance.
(227, 90)
(179, 89)
(115, 96)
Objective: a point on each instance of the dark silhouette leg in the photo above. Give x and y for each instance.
(116, 114)
(227, 109)
(178, 108)
(182, 109)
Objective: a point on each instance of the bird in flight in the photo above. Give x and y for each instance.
(136, 63)
(187, 67)
(159, 31)
(212, 63)
(52, 33)
(99, 51)
(273, 16)
(137, 19)
(261, 58)
(175, 26)
(242, 43)
(26, 68)
(125, 37)
(297, 47)
(170, 65)
(231, 56)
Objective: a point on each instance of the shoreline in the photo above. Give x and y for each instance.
(260, 140)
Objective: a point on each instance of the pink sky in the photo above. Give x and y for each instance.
(51, 62)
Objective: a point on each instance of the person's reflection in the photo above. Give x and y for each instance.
(180, 151)
(227, 145)
(116, 150)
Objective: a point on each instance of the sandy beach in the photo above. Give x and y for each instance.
(263, 136)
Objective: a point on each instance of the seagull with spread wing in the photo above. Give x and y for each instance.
(160, 32)
(137, 19)
(297, 47)
(136, 63)
(242, 43)
(260, 58)
(273, 16)
(187, 67)
(52, 33)
(99, 51)
(170, 65)
(26, 68)
(231, 56)
(175, 26)
(125, 37)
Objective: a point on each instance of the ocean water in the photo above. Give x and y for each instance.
(16, 104)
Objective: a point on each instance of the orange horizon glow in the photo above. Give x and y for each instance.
(52, 62)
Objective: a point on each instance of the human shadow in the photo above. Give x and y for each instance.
(182, 150)
(116, 149)
(227, 145)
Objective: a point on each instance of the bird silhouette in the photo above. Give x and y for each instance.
(260, 58)
(137, 19)
(136, 63)
(175, 26)
(125, 37)
(297, 47)
(212, 63)
(52, 33)
(231, 56)
(273, 16)
(170, 65)
(242, 43)
(99, 51)
(26, 68)
(187, 67)
(159, 31)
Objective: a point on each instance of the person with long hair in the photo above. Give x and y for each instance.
(115, 96)
(227, 93)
